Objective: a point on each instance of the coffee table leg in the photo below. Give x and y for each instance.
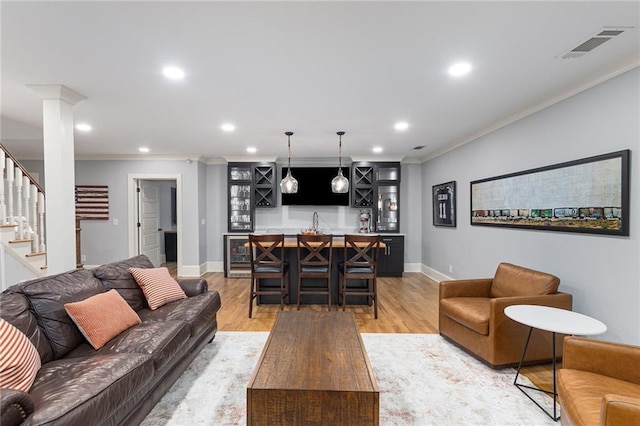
(521, 386)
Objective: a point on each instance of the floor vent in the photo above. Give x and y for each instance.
(594, 41)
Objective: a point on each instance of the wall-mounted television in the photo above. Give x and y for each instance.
(314, 187)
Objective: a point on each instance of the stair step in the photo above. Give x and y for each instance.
(20, 247)
(35, 261)
(8, 226)
(26, 240)
(40, 253)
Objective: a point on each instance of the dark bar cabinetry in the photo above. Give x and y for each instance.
(251, 186)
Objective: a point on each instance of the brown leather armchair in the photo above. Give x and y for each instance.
(599, 383)
(472, 315)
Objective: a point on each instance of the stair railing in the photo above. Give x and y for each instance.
(22, 201)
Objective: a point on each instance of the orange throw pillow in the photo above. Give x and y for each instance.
(158, 286)
(102, 317)
(19, 359)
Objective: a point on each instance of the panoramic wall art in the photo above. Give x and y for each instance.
(590, 195)
(444, 204)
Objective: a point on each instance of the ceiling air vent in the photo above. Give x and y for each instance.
(596, 40)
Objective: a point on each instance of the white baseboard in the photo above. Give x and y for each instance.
(434, 274)
(412, 267)
(189, 271)
(215, 266)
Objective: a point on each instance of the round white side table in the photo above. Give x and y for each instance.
(556, 321)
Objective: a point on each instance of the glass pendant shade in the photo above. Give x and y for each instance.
(340, 184)
(289, 184)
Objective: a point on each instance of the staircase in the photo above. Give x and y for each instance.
(22, 210)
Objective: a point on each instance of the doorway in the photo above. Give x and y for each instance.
(155, 219)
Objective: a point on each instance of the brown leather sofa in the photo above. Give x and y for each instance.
(599, 383)
(122, 381)
(471, 314)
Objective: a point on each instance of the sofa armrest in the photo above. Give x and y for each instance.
(498, 319)
(556, 300)
(606, 358)
(619, 410)
(193, 286)
(15, 405)
(465, 288)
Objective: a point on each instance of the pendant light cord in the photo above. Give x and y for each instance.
(288, 153)
(340, 153)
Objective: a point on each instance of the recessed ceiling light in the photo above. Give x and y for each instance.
(377, 149)
(228, 127)
(401, 126)
(252, 150)
(459, 69)
(83, 127)
(173, 73)
(143, 149)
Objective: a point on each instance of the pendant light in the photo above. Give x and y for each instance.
(340, 184)
(289, 184)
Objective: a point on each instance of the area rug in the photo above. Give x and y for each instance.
(422, 378)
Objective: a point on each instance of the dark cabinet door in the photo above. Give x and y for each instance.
(240, 205)
(171, 246)
(391, 258)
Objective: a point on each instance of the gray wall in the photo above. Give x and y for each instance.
(216, 212)
(104, 242)
(602, 272)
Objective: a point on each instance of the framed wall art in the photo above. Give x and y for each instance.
(444, 204)
(590, 195)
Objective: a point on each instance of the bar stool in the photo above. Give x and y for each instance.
(314, 261)
(267, 261)
(360, 263)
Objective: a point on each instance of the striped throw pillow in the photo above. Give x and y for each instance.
(19, 359)
(102, 317)
(158, 286)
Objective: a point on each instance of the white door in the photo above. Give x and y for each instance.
(148, 221)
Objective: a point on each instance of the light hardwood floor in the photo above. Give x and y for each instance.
(407, 305)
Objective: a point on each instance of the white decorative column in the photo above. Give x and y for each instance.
(59, 171)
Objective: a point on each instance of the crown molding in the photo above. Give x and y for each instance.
(633, 62)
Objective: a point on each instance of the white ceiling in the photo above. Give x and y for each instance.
(310, 67)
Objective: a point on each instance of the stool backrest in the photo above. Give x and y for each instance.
(361, 251)
(315, 250)
(266, 250)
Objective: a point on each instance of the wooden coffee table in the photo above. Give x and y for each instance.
(313, 370)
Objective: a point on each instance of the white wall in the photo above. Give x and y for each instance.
(602, 272)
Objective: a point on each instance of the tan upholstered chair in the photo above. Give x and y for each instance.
(472, 314)
(599, 383)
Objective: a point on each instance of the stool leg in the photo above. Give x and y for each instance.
(344, 293)
(299, 288)
(375, 298)
(329, 291)
(251, 297)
